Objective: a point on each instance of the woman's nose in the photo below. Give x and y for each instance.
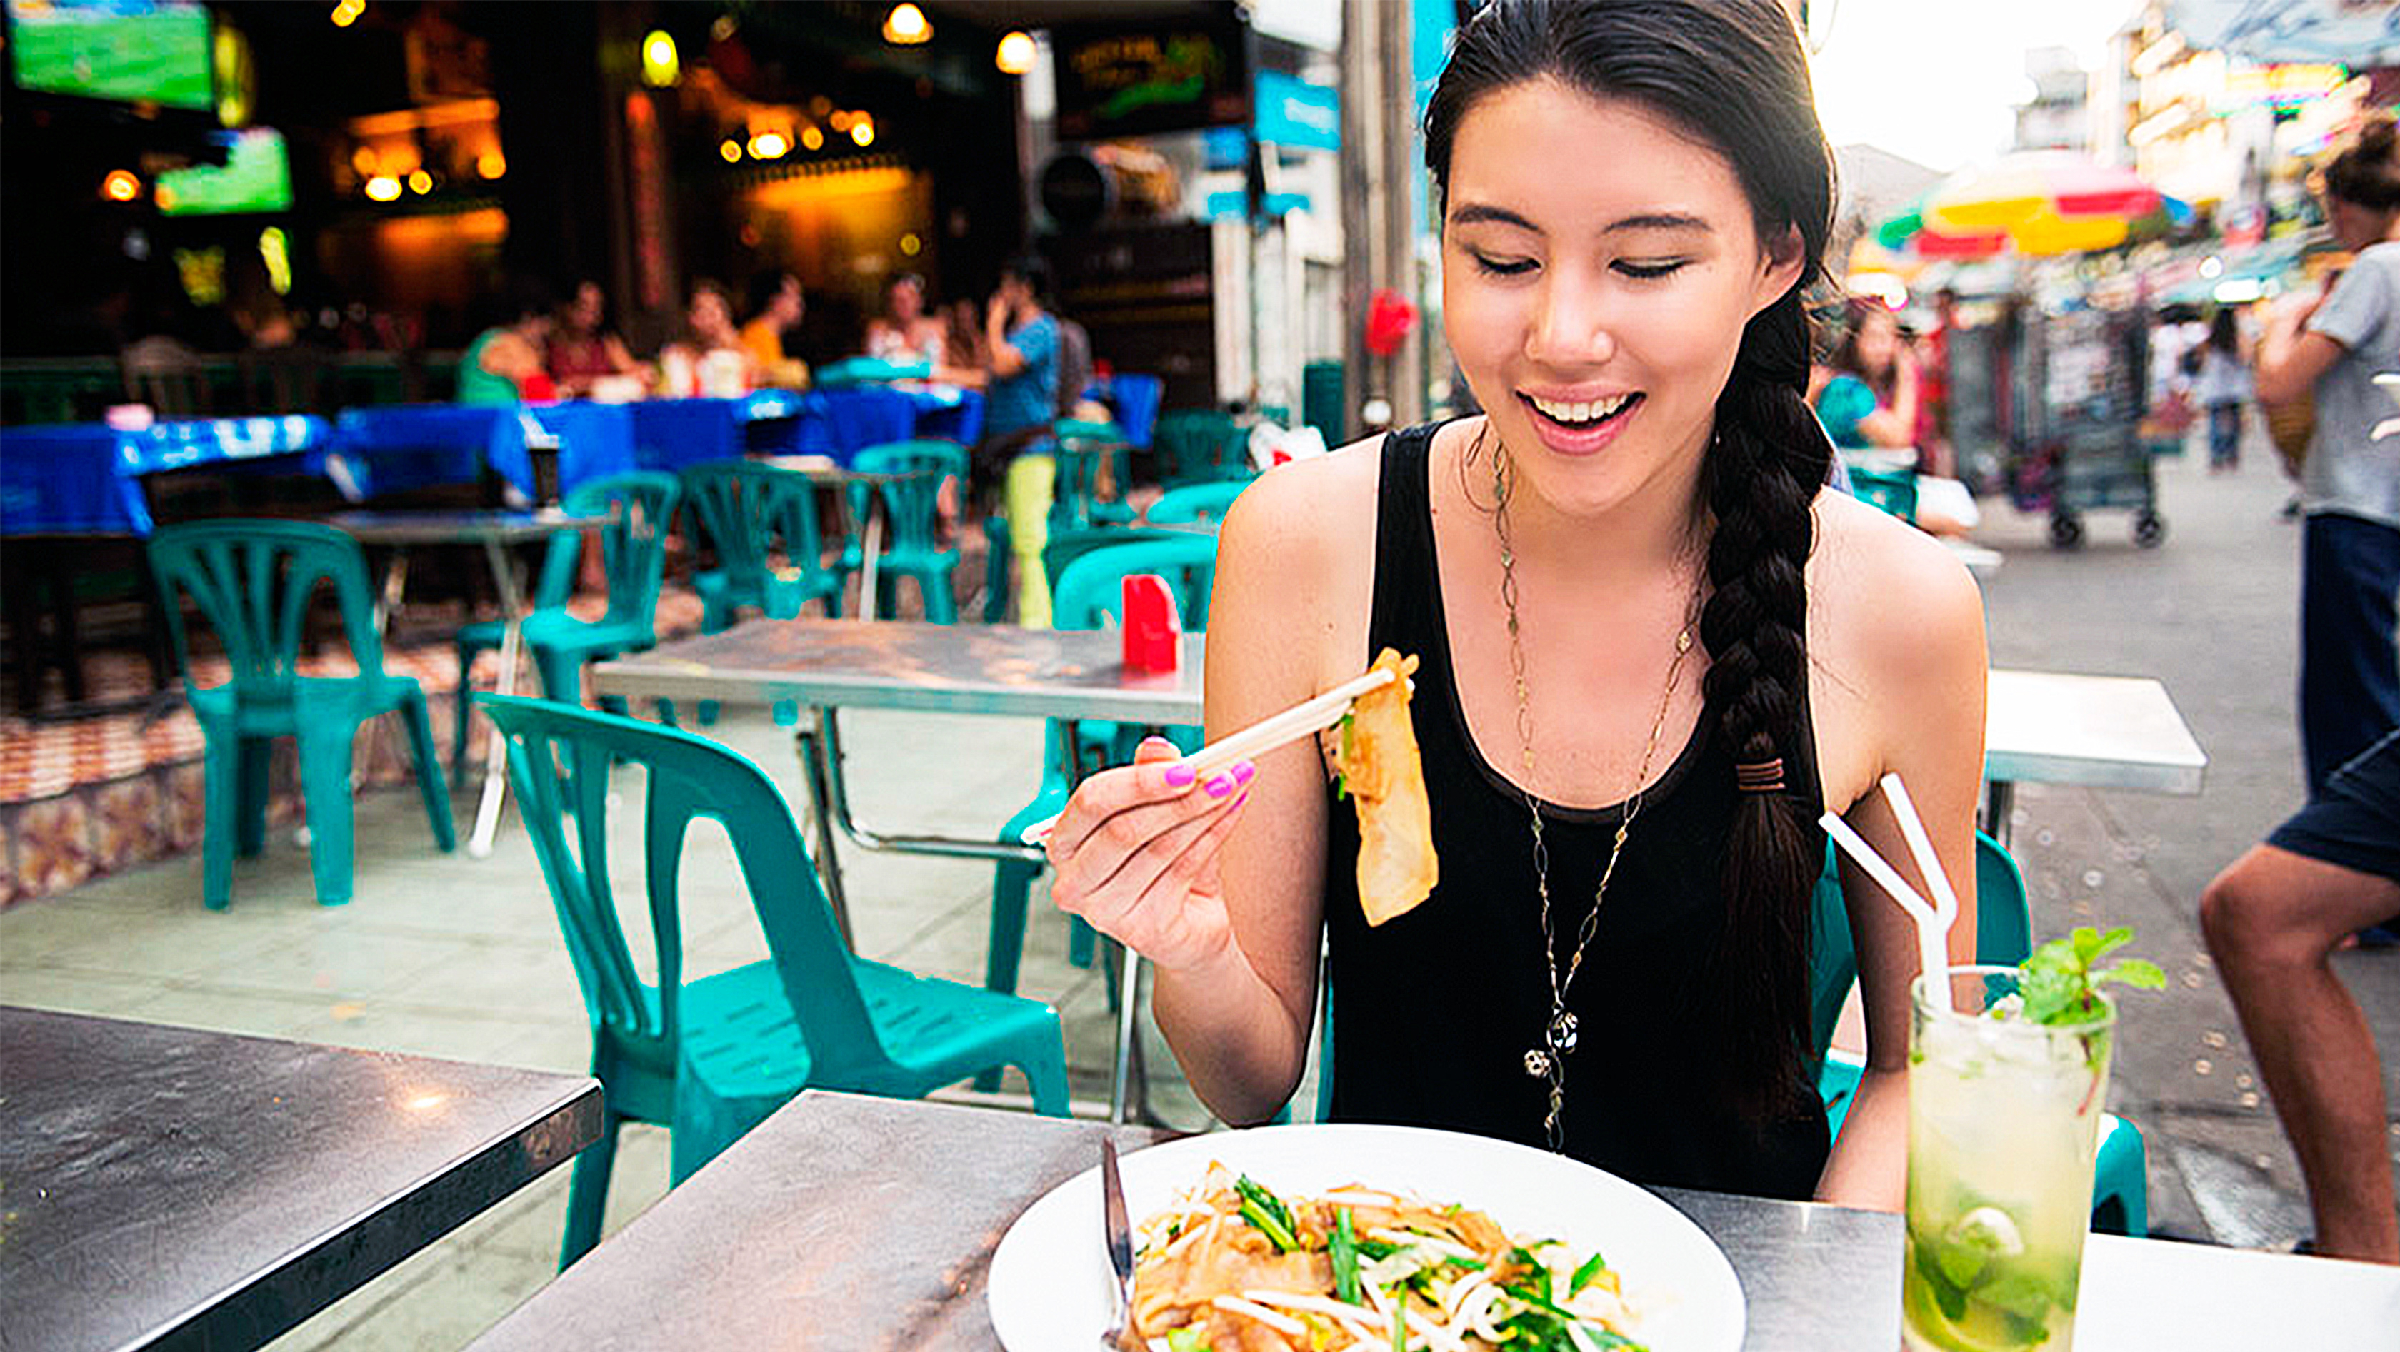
(1572, 325)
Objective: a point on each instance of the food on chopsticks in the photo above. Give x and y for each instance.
(1232, 1266)
(1377, 759)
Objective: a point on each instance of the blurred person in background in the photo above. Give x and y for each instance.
(904, 333)
(709, 343)
(2331, 873)
(504, 364)
(583, 348)
(2223, 388)
(1869, 399)
(776, 304)
(1020, 404)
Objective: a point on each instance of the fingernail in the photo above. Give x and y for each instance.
(1220, 786)
(1243, 771)
(1237, 803)
(1180, 775)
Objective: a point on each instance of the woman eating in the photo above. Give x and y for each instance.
(1652, 651)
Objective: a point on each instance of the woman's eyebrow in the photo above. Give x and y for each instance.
(1474, 212)
(1660, 220)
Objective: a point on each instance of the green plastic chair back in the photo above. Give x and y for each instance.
(633, 545)
(253, 581)
(712, 1057)
(1089, 592)
(1200, 445)
(1194, 504)
(910, 504)
(1083, 447)
(747, 510)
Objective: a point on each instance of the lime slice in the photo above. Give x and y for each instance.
(1983, 1329)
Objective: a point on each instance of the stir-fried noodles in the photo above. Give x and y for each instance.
(1232, 1267)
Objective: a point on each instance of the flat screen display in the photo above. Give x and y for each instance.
(154, 51)
(256, 176)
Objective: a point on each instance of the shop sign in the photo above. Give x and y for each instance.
(1179, 75)
(1297, 114)
(2278, 86)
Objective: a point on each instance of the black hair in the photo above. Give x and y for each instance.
(1033, 272)
(527, 297)
(764, 288)
(2368, 171)
(1858, 313)
(1732, 74)
(2223, 335)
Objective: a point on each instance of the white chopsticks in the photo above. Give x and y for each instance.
(1305, 719)
(1934, 918)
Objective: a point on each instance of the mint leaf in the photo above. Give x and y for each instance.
(2059, 982)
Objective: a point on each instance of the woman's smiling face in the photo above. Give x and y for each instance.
(1598, 265)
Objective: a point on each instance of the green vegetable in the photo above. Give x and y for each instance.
(1268, 1215)
(2061, 982)
(1341, 782)
(1592, 1267)
(1186, 1339)
(1400, 1325)
(1345, 1259)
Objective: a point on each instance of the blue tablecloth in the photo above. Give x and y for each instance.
(85, 478)
(669, 434)
(401, 446)
(840, 423)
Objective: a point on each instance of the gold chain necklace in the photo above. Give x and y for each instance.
(1549, 1060)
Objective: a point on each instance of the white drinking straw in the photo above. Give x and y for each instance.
(1933, 927)
(1929, 864)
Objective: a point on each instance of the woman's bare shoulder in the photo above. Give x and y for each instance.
(1887, 597)
(1297, 556)
(1322, 507)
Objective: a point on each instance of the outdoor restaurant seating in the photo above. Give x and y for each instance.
(1084, 450)
(911, 507)
(256, 582)
(2003, 936)
(709, 1058)
(748, 510)
(1200, 445)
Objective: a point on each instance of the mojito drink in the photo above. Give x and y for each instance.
(2003, 1117)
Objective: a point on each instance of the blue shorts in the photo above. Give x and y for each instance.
(2355, 822)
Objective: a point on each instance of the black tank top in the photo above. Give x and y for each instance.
(1434, 1011)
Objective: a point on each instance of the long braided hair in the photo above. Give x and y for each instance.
(1732, 73)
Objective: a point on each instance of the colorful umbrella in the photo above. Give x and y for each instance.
(2035, 202)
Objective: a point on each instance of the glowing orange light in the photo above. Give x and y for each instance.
(905, 26)
(1015, 54)
(383, 188)
(491, 164)
(420, 182)
(812, 138)
(120, 186)
(863, 132)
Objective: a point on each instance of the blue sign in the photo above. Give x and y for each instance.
(1293, 112)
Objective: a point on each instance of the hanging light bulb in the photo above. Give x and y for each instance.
(660, 65)
(1015, 54)
(905, 26)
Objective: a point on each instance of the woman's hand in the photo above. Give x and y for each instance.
(1135, 855)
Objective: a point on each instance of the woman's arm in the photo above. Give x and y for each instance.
(1006, 360)
(1924, 678)
(1895, 427)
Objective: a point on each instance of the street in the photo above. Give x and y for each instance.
(2213, 614)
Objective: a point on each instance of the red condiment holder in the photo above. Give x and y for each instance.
(1152, 630)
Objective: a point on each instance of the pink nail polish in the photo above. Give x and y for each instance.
(1180, 775)
(1243, 772)
(1220, 786)
(1237, 803)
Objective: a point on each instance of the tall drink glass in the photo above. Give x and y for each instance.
(2003, 1117)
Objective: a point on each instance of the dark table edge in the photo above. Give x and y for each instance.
(344, 1260)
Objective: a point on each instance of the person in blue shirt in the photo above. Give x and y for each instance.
(1020, 404)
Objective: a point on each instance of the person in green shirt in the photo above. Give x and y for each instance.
(504, 364)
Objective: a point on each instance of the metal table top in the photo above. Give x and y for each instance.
(179, 1188)
(866, 1223)
(937, 668)
(2040, 727)
(463, 526)
(2109, 732)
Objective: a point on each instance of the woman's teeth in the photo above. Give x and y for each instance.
(1586, 411)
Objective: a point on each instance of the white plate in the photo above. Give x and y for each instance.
(1050, 1279)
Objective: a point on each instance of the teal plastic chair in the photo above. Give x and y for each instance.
(747, 510)
(1195, 504)
(1083, 449)
(911, 506)
(1200, 445)
(2003, 937)
(562, 557)
(254, 583)
(1090, 596)
(635, 509)
(711, 1057)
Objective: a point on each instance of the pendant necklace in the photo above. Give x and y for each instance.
(1548, 1060)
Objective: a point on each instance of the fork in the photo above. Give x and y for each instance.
(1119, 1236)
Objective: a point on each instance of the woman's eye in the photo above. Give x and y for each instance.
(1650, 271)
(1502, 267)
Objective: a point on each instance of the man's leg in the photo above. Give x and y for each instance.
(2272, 919)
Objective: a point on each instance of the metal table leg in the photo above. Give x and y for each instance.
(870, 552)
(821, 767)
(495, 774)
(2000, 801)
(1129, 1080)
